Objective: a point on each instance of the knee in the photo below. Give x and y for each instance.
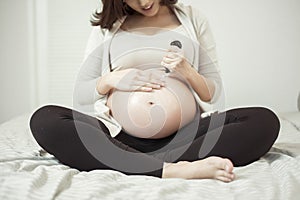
(40, 119)
(40, 115)
(270, 122)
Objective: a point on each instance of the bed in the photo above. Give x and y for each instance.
(26, 172)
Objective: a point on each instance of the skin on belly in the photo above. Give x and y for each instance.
(155, 114)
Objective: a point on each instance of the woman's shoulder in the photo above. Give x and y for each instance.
(192, 12)
(95, 39)
(97, 30)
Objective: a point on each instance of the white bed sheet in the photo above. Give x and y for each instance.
(25, 174)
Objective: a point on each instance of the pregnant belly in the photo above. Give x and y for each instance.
(155, 114)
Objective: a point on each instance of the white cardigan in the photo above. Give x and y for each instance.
(86, 99)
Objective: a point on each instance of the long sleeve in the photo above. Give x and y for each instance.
(85, 96)
(85, 93)
(208, 61)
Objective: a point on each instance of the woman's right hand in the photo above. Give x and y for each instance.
(132, 80)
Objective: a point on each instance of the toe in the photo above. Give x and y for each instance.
(221, 163)
(222, 173)
(228, 166)
(224, 179)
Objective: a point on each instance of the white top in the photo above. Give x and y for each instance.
(96, 63)
(132, 49)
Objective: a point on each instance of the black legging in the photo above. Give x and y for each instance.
(80, 141)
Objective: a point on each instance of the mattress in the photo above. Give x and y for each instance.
(26, 172)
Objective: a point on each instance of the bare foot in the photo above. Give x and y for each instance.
(209, 168)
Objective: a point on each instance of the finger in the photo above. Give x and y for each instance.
(146, 84)
(140, 87)
(143, 89)
(174, 55)
(158, 82)
(170, 66)
(153, 85)
(176, 51)
(170, 60)
(171, 55)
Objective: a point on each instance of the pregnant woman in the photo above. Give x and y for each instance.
(138, 100)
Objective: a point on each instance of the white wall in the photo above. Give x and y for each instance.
(14, 59)
(68, 30)
(42, 46)
(258, 44)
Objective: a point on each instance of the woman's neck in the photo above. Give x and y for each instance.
(165, 18)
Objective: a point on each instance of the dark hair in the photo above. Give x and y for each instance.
(113, 10)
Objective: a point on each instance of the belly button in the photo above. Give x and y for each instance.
(150, 103)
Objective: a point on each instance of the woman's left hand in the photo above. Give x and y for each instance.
(175, 61)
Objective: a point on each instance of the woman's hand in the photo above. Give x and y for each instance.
(175, 61)
(132, 80)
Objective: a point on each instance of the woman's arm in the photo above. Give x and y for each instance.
(208, 67)
(205, 78)
(84, 92)
(130, 80)
(91, 86)
(204, 87)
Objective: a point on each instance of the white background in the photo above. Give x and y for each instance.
(43, 41)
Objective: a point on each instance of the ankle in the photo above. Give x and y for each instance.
(172, 170)
(167, 170)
